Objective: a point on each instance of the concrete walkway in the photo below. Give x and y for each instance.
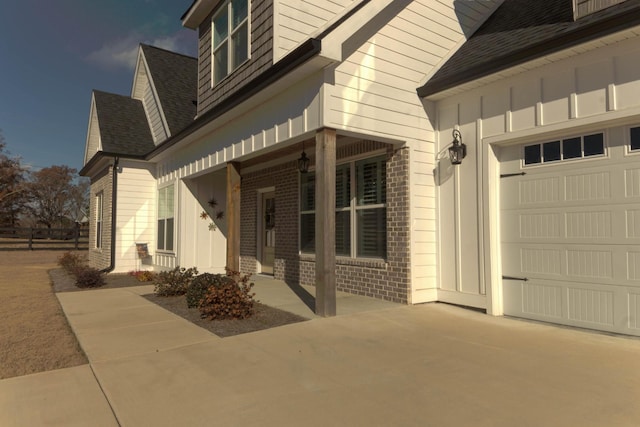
(389, 365)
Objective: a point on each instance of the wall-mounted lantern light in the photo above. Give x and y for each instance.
(458, 150)
(303, 162)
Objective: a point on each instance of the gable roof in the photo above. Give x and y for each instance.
(123, 124)
(523, 30)
(175, 78)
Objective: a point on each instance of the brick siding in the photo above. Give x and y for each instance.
(384, 279)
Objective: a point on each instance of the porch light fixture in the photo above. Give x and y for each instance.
(303, 162)
(458, 150)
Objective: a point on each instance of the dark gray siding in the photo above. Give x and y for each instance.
(261, 57)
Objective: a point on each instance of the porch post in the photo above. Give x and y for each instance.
(326, 222)
(233, 216)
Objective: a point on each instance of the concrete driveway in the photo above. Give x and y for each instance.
(427, 365)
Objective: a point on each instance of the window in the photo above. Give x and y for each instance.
(230, 38)
(634, 135)
(165, 218)
(361, 213)
(99, 227)
(571, 148)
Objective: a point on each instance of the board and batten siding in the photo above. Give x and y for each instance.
(375, 94)
(296, 21)
(136, 201)
(198, 244)
(595, 87)
(261, 58)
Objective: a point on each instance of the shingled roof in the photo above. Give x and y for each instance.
(175, 77)
(523, 30)
(123, 124)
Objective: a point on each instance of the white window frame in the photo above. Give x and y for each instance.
(227, 8)
(353, 208)
(162, 246)
(99, 223)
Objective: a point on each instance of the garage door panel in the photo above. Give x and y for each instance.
(613, 309)
(572, 229)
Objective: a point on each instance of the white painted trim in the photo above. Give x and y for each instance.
(586, 124)
(491, 243)
(259, 231)
(92, 110)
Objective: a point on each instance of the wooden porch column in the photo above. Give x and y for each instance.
(326, 222)
(233, 216)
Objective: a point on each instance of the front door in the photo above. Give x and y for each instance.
(268, 231)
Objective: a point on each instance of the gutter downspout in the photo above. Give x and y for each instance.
(114, 198)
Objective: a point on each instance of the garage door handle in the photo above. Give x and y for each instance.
(508, 175)
(522, 279)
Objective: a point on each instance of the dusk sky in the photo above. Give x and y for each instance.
(54, 53)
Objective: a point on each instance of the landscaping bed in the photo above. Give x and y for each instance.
(264, 316)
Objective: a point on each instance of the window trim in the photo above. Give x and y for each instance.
(99, 219)
(230, 32)
(354, 208)
(562, 140)
(628, 150)
(158, 219)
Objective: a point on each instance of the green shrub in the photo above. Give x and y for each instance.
(70, 262)
(89, 277)
(174, 282)
(228, 299)
(200, 285)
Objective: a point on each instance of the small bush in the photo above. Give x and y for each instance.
(229, 299)
(89, 277)
(143, 275)
(174, 282)
(199, 286)
(70, 262)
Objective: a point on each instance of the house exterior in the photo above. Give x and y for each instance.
(539, 221)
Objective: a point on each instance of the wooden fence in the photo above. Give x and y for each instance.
(44, 238)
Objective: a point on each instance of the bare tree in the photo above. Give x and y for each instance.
(51, 192)
(12, 187)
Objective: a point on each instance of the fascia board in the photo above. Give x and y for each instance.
(198, 12)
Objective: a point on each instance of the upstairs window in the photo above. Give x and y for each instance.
(230, 41)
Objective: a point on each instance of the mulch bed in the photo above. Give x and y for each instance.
(265, 317)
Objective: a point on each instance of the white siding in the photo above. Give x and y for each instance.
(136, 204)
(153, 115)
(284, 116)
(586, 92)
(93, 134)
(198, 245)
(143, 91)
(375, 94)
(296, 20)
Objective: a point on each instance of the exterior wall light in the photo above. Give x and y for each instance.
(303, 162)
(458, 150)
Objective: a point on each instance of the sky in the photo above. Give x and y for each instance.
(54, 53)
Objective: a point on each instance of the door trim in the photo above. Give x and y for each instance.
(259, 224)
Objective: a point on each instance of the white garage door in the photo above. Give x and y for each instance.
(570, 230)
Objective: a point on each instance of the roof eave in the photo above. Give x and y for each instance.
(101, 156)
(570, 39)
(198, 12)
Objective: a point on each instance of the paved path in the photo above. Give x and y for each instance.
(428, 365)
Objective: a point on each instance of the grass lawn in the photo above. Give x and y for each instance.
(34, 333)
